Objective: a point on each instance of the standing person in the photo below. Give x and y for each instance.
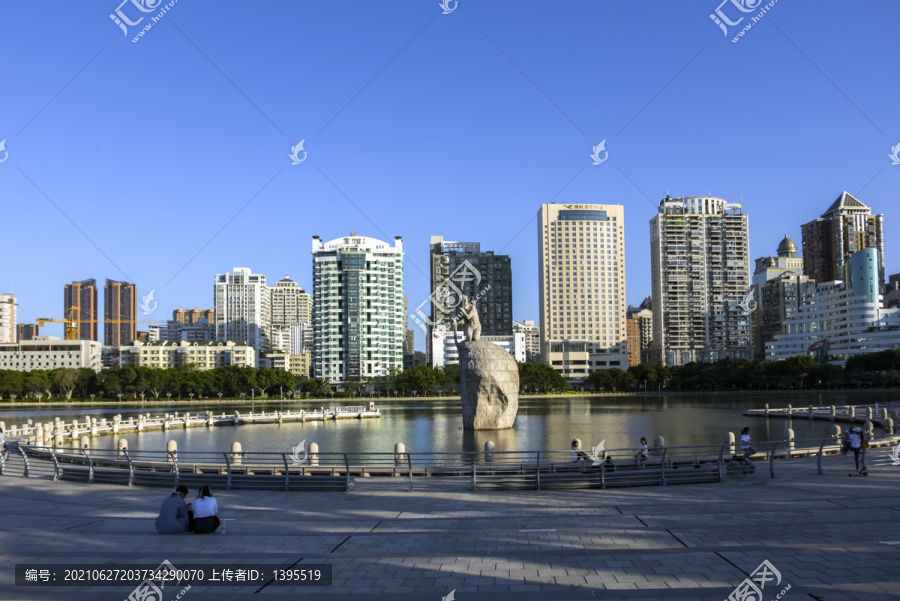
(746, 442)
(642, 455)
(205, 509)
(857, 445)
(173, 515)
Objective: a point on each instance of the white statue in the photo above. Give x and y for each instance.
(470, 316)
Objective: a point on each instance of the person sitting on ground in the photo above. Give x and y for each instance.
(205, 509)
(173, 515)
(577, 453)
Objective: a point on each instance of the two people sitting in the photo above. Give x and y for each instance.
(177, 516)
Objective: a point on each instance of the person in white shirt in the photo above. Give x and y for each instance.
(642, 455)
(745, 442)
(856, 440)
(204, 511)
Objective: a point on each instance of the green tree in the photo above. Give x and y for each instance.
(540, 377)
(65, 379)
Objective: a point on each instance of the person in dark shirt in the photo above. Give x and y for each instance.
(173, 515)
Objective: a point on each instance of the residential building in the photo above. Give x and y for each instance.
(143, 336)
(242, 308)
(532, 335)
(841, 319)
(200, 355)
(581, 273)
(8, 326)
(462, 269)
(49, 352)
(847, 227)
(639, 326)
(80, 304)
(301, 338)
(119, 313)
(274, 360)
(769, 268)
(300, 365)
(27, 331)
(700, 273)
(892, 293)
(176, 331)
(444, 351)
(780, 300)
(289, 304)
(191, 316)
(358, 321)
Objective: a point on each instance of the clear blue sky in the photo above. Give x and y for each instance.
(460, 125)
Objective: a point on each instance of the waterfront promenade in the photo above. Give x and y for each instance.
(825, 534)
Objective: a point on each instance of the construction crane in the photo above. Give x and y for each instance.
(72, 322)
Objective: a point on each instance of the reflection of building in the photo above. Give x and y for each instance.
(189, 316)
(700, 270)
(8, 327)
(847, 227)
(639, 327)
(27, 331)
(289, 305)
(445, 352)
(358, 321)
(119, 313)
(201, 356)
(242, 308)
(532, 335)
(769, 268)
(49, 352)
(848, 315)
(80, 301)
(581, 269)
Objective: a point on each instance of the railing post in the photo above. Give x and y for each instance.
(537, 471)
(130, 467)
(819, 461)
(473, 474)
(287, 473)
(90, 465)
(25, 457)
(772, 460)
(228, 469)
(662, 467)
(721, 462)
(603, 475)
(55, 465)
(347, 488)
(409, 463)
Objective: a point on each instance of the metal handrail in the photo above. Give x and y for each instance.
(90, 465)
(25, 457)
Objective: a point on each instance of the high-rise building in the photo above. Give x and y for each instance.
(8, 326)
(700, 271)
(289, 305)
(463, 269)
(80, 303)
(119, 313)
(532, 335)
(780, 300)
(847, 227)
(892, 293)
(27, 331)
(358, 321)
(639, 326)
(242, 308)
(581, 269)
(191, 316)
(769, 268)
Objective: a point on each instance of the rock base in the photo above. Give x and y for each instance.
(489, 384)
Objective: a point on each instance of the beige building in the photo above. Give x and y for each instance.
(581, 263)
(191, 316)
(290, 306)
(639, 324)
(202, 355)
(8, 329)
(300, 365)
(49, 352)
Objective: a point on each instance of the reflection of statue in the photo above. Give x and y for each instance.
(470, 316)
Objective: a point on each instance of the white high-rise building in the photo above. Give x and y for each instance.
(700, 271)
(8, 330)
(581, 263)
(289, 305)
(242, 308)
(358, 320)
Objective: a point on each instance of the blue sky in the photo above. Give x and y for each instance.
(170, 155)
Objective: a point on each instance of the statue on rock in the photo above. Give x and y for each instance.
(488, 377)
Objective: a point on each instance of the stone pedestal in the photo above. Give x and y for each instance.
(489, 386)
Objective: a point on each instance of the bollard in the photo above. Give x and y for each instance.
(888, 425)
(122, 445)
(102, 422)
(789, 436)
(279, 418)
(882, 413)
(314, 453)
(810, 412)
(730, 441)
(302, 416)
(58, 439)
(187, 419)
(835, 431)
(488, 451)
(115, 426)
(371, 406)
(659, 442)
(39, 437)
(399, 449)
(767, 410)
(93, 426)
(13, 431)
(74, 429)
(237, 417)
(172, 447)
(833, 412)
(789, 410)
(209, 419)
(140, 423)
(868, 413)
(851, 411)
(85, 442)
(56, 423)
(869, 429)
(236, 452)
(165, 423)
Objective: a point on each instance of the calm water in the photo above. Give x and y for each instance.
(542, 424)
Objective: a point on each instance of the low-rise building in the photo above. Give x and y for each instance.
(49, 352)
(576, 359)
(300, 365)
(444, 352)
(202, 355)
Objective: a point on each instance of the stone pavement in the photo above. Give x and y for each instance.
(825, 534)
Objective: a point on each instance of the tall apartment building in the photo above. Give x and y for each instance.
(289, 304)
(847, 227)
(80, 302)
(581, 270)
(767, 269)
(700, 271)
(8, 327)
(242, 308)
(639, 326)
(119, 313)
(191, 316)
(27, 331)
(358, 321)
(532, 334)
(463, 269)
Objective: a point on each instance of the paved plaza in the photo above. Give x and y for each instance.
(826, 534)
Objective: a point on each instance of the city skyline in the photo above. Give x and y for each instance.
(525, 140)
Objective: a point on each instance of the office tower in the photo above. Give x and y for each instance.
(532, 335)
(8, 327)
(27, 331)
(769, 268)
(191, 316)
(847, 227)
(119, 313)
(289, 304)
(463, 269)
(80, 304)
(242, 308)
(700, 271)
(358, 321)
(581, 269)
(639, 326)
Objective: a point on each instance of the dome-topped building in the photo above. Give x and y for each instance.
(787, 248)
